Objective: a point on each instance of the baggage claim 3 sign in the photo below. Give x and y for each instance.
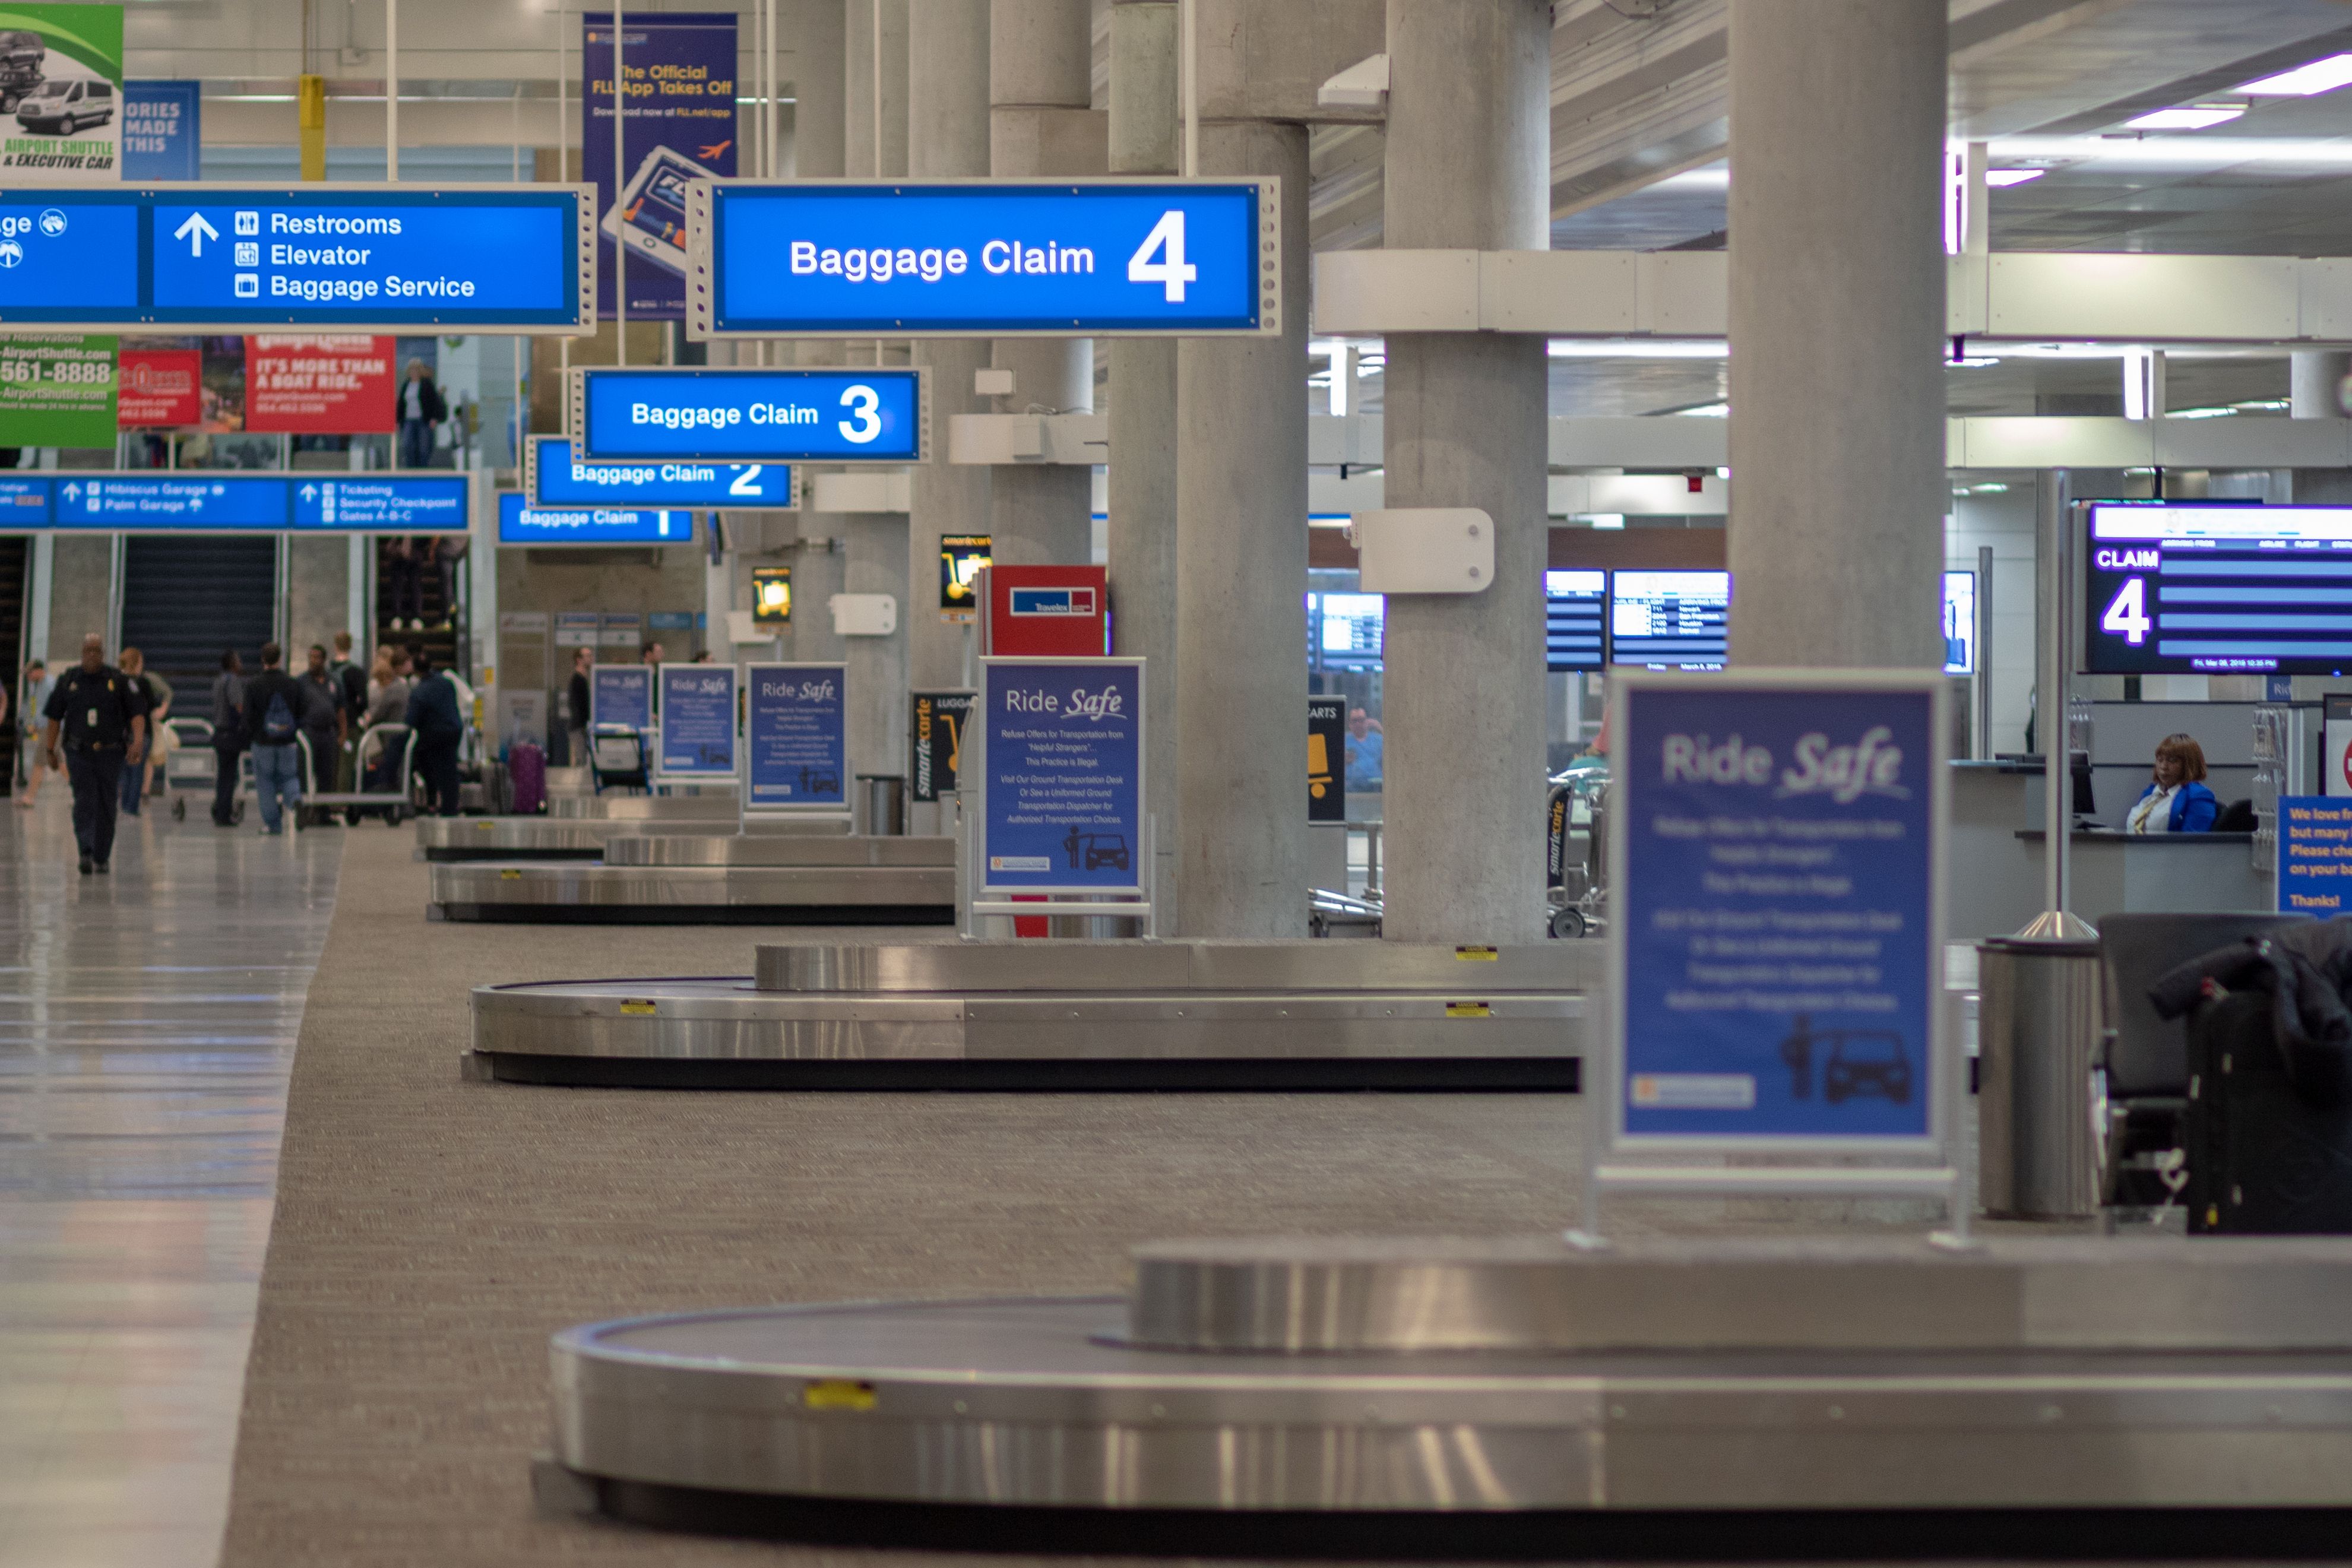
(751, 416)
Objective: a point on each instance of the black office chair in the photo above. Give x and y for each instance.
(2237, 817)
(2140, 1075)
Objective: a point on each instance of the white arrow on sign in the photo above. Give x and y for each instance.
(310, 492)
(73, 492)
(196, 231)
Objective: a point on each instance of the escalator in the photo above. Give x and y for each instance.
(186, 599)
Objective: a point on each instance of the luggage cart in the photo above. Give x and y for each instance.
(191, 768)
(617, 756)
(1576, 885)
(390, 748)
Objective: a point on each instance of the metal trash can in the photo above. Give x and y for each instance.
(2039, 1017)
(885, 795)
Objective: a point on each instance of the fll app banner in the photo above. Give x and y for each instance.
(677, 74)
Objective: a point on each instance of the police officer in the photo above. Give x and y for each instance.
(103, 713)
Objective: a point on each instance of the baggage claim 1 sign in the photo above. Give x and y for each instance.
(984, 258)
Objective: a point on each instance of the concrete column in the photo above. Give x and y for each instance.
(1837, 315)
(1040, 91)
(2318, 378)
(1145, 139)
(816, 33)
(862, 120)
(947, 137)
(811, 544)
(1469, 153)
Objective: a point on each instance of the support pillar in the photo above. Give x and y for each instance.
(2315, 387)
(1145, 139)
(1837, 316)
(810, 541)
(1040, 91)
(947, 137)
(1469, 152)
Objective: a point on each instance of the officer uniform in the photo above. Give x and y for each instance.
(93, 708)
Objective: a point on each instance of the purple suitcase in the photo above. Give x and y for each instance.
(527, 777)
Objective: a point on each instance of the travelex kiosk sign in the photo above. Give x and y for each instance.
(237, 503)
(349, 258)
(989, 258)
(555, 475)
(1063, 785)
(750, 415)
(521, 523)
(796, 721)
(1776, 941)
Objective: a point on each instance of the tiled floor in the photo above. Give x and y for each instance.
(147, 1024)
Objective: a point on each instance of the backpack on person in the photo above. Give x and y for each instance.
(277, 726)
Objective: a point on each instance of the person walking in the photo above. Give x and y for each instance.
(575, 705)
(38, 684)
(421, 409)
(433, 716)
(273, 719)
(352, 688)
(323, 727)
(102, 715)
(157, 691)
(229, 735)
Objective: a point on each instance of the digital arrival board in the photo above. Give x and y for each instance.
(521, 523)
(195, 502)
(750, 415)
(2200, 589)
(989, 258)
(343, 258)
(554, 475)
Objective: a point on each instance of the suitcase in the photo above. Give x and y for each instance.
(527, 778)
(2262, 1159)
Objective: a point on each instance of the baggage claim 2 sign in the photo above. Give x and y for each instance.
(984, 258)
(554, 475)
(198, 258)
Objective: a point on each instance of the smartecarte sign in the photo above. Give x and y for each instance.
(750, 415)
(199, 258)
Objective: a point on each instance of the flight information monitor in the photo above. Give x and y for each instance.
(1670, 620)
(1959, 624)
(2194, 588)
(1576, 620)
(1348, 629)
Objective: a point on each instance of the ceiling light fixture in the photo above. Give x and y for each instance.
(2000, 179)
(2200, 117)
(1638, 349)
(1706, 410)
(2306, 80)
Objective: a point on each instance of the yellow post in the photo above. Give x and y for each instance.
(310, 95)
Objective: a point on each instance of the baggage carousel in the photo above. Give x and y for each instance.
(578, 838)
(1430, 1397)
(1063, 1014)
(710, 879)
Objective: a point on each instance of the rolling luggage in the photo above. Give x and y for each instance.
(527, 778)
(2267, 1155)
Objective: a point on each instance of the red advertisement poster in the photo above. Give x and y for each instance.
(160, 387)
(318, 385)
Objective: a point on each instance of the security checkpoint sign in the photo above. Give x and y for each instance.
(1061, 807)
(193, 501)
(2315, 855)
(751, 416)
(1775, 935)
(621, 696)
(698, 722)
(351, 258)
(794, 746)
(555, 475)
(56, 389)
(992, 259)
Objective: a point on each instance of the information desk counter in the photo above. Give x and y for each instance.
(2158, 873)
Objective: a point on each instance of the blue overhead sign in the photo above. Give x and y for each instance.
(794, 722)
(149, 500)
(1062, 787)
(984, 258)
(698, 721)
(1775, 913)
(342, 258)
(621, 696)
(554, 475)
(519, 524)
(751, 416)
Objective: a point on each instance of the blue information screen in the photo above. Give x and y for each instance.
(328, 259)
(2315, 855)
(794, 724)
(754, 416)
(560, 477)
(1130, 257)
(1777, 903)
(525, 524)
(1064, 788)
(697, 720)
(234, 503)
(622, 695)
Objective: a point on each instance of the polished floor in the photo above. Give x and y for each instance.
(147, 1026)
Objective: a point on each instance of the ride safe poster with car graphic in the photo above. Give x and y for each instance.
(1778, 909)
(60, 93)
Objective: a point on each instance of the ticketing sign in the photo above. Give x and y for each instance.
(988, 258)
(377, 258)
(555, 475)
(751, 416)
(150, 500)
(522, 524)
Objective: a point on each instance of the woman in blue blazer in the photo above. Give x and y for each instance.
(2178, 801)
